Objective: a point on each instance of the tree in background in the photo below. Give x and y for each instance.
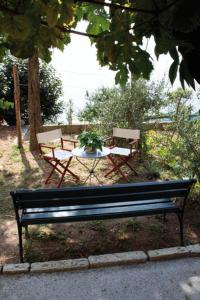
(50, 91)
(70, 111)
(124, 107)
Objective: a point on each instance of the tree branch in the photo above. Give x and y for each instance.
(118, 6)
(67, 30)
(156, 12)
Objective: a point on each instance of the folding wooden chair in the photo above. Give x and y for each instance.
(121, 156)
(58, 158)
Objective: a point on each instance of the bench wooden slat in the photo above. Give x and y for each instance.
(93, 206)
(102, 190)
(90, 214)
(96, 198)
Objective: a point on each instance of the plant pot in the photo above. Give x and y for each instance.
(90, 150)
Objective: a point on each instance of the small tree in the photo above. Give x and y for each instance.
(124, 107)
(70, 111)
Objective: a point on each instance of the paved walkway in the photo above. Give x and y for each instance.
(168, 280)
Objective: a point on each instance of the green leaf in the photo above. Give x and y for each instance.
(52, 14)
(18, 27)
(143, 62)
(122, 76)
(174, 54)
(185, 74)
(173, 71)
(164, 42)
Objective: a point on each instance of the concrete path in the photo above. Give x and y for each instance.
(168, 280)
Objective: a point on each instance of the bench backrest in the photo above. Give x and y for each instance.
(100, 194)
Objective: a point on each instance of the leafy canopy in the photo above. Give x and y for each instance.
(117, 28)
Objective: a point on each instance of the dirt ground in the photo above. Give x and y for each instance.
(23, 169)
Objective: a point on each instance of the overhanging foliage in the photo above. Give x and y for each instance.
(117, 28)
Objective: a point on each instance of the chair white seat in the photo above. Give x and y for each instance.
(120, 151)
(60, 154)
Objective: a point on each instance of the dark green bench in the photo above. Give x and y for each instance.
(74, 204)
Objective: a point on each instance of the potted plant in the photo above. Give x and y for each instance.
(90, 141)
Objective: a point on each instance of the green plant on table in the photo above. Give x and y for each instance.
(90, 141)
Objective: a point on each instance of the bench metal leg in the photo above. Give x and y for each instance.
(20, 244)
(180, 218)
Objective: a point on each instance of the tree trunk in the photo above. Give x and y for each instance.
(17, 105)
(34, 109)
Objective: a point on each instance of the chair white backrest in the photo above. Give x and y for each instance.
(48, 136)
(126, 133)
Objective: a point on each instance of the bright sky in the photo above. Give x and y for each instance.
(80, 72)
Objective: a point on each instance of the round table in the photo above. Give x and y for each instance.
(80, 153)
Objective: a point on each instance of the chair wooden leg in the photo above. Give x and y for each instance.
(62, 169)
(66, 169)
(51, 173)
(116, 169)
(74, 175)
(131, 168)
(63, 174)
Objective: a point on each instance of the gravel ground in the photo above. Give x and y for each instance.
(174, 280)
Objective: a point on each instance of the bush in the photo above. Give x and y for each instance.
(178, 148)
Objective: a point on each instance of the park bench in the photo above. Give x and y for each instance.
(75, 204)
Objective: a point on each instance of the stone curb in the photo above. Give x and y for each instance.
(168, 253)
(16, 268)
(194, 250)
(106, 260)
(61, 265)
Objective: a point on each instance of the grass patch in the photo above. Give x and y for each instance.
(98, 226)
(155, 228)
(134, 225)
(29, 254)
(15, 156)
(2, 178)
